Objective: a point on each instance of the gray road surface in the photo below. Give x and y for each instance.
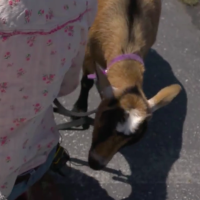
(166, 163)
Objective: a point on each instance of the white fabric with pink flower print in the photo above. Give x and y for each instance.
(42, 50)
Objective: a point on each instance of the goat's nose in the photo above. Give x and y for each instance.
(95, 162)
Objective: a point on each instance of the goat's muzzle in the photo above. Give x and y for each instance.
(96, 162)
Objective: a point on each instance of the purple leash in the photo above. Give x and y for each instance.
(117, 59)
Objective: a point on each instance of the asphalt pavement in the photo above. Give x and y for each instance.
(165, 164)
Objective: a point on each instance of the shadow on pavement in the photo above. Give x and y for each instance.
(78, 186)
(150, 159)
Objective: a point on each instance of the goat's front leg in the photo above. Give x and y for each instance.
(81, 104)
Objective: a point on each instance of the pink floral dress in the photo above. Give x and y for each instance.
(42, 47)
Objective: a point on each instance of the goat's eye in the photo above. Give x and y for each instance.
(113, 102)
(124, 117)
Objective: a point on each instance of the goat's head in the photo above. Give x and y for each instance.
(122, 118)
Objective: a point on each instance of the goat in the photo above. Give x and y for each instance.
(120, 37)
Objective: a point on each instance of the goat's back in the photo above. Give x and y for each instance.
(124, 26)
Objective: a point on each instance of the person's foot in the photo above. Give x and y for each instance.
(46, 188)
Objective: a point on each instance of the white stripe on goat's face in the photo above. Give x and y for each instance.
(132, 122)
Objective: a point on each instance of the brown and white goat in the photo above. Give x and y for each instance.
(121, 27)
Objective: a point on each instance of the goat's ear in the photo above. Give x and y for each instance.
(105, 88)
(164, 97)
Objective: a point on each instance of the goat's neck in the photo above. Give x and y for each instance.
(126, 73)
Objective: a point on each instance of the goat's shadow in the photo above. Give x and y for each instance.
(151, 159)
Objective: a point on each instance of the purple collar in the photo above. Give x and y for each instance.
(120, 58)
